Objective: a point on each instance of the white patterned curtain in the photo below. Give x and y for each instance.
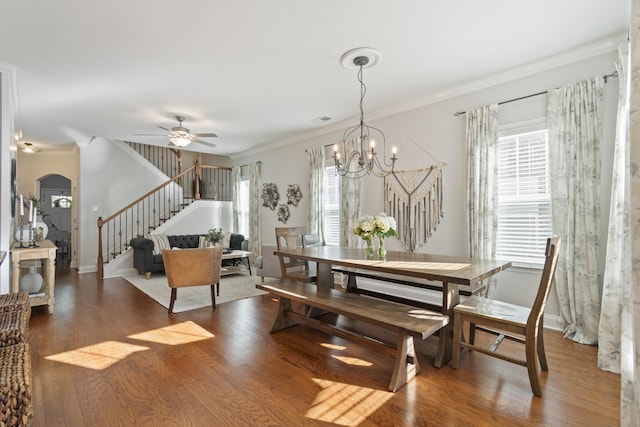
(236, 176)
(255, 202)
(316, 191)
(630, 345)
(575, 129)
(617, 271)
(350, 189)
(481, 192)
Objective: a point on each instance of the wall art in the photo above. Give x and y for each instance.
(270, 195)
(294, 195)
(283, 213)
(414, 199)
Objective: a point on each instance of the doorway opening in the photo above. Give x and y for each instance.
(57, 202)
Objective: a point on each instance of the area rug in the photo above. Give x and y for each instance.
(232, 287)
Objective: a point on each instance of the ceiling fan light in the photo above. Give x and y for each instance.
(29, 148)
(179, 141)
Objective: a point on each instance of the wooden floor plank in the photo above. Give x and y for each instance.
(234, 373)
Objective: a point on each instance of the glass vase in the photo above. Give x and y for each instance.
(382, 252)
(368, 250)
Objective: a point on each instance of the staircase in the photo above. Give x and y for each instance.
(162, 203)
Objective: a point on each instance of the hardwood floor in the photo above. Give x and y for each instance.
(111, 356)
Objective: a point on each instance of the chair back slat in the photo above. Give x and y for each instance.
(291, 238)
(546, 280)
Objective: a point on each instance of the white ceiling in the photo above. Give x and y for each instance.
(259, 72)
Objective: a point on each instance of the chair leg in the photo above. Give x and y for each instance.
(531, 351)
(173, 299)
(457, 335)
(541, 354)
(213, 296)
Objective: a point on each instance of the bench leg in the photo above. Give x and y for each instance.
(281, 321)
(406, 365)
(352, 285)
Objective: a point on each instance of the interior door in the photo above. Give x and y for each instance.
(56, 212)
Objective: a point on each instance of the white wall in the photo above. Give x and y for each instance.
(440, 135)
(199, 217)
(8, 129)
(107, 170)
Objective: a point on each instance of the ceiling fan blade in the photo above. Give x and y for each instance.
(164, 128)
(205, 135)
(199, 141)
(149, 134)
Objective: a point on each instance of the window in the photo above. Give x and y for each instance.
(331, 204)
(62, 202)
(524, 201)
(243, 212)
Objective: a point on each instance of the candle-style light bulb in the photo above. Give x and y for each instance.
(394, 150)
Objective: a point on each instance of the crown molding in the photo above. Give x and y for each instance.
(555, 61)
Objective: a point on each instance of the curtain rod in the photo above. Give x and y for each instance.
(306, 150)
(605, 77)
(247, 164)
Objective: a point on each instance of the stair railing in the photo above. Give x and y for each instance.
(148, 212)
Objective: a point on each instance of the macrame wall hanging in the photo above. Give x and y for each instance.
(414, 199)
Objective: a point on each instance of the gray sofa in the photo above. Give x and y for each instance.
(146, 262)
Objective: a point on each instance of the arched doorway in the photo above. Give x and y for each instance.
(57, 201)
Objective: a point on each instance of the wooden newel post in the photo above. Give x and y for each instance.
(100, 261)
(197, 181)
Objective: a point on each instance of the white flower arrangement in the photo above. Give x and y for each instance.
(369, 227)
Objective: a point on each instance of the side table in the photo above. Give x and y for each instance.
(46, 251)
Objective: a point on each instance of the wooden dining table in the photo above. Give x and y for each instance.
(418, 268)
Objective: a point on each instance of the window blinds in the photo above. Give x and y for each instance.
(524, 203)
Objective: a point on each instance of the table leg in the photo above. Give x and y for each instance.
(15, 274)
(324, 281)
(50, 277)
(450, 298)
(325, 276)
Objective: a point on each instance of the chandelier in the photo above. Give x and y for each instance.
(363, 160)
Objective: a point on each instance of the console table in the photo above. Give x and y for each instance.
(45, 251)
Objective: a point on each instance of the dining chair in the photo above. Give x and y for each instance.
(192, 267)
(510, 321)
(292, 268)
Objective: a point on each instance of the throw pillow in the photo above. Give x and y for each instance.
(226, 239)
(160, 242)
(204, 243)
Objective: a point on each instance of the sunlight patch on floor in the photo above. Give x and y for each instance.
(98, 356)
(352, 361)
(345, 404)
(333, 346)
(180, 333)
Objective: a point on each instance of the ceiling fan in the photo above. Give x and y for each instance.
(180, 136)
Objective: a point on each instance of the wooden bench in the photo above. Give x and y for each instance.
(352, 286)
(407, 321)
